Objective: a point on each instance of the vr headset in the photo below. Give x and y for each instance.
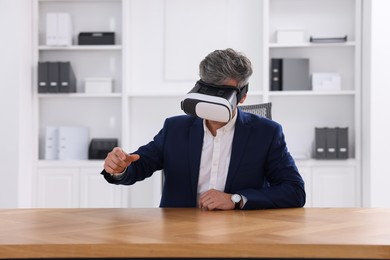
(212, 102)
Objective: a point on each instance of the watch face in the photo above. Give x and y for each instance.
(236, 198)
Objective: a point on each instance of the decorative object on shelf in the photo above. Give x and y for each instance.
(331, 142)
(56, 77)
(328, 39)
(58, 29)
(100, 147)
(290, 36)
(290, 74)
(96, 38)
(66, 143)
(98, 85)
(326, 81)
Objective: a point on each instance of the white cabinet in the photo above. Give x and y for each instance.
(154, 62)
(335, 186)
(57, 188)
(77, 185)
(331, 183)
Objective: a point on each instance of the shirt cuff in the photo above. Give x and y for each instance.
(118, 176)
(244, 201)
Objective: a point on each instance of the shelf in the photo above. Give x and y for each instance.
(326, 163)
(81, 48)
(79, 95)
(313, 93)
(174, 93)
(70, 163)
(80, 1)
(312, 45)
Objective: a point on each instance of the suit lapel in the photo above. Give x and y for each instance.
(195, 150)
(240, 139)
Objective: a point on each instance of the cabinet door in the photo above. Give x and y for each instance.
(96, 192)
(334, 186)
(58, 188)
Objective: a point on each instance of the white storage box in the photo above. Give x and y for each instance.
(326, 81)
(98, 85)
(290, 36)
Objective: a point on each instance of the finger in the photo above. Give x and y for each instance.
(120, 153)
(129, 158)
(205, 195)
(125, 157)
(114, 165)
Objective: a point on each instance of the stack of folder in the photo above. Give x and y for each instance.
(56, 77)
(331, 142)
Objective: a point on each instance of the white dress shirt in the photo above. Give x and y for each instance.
(215, 159)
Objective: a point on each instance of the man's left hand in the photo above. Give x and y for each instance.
(215, 199)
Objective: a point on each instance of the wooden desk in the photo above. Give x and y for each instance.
(287, 233)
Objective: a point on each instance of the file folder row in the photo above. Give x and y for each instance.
(56, 77)
(331, 143)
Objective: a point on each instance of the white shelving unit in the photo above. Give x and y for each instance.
(154, 63)
(78, 183)
(328, 182)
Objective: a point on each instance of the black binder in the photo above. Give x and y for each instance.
(67, 79)
(331, 143)
(320, 142)
(342, 142)
(295, 74)
(43, 77)
(276, 75)
(54, 71)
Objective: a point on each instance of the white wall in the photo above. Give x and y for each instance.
(376, 97)
(15, 101)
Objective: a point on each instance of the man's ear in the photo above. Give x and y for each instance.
(242, 99)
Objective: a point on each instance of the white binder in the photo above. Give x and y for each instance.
(51, 29)
(73, 143)
(64, 29)
(51, 143)
(58, 29)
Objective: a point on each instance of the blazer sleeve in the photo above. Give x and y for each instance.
(151, 160)
(284, 185)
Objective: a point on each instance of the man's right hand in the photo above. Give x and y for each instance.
(117, 160)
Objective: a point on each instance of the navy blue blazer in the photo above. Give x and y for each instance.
(261, 168)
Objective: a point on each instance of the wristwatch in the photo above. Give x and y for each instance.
(236, 198)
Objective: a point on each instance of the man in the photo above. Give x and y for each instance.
(240, 164)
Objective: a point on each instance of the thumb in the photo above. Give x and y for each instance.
(131, 158)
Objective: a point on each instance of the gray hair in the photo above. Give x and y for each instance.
(222, 65)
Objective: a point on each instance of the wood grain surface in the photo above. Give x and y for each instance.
(284, 233)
